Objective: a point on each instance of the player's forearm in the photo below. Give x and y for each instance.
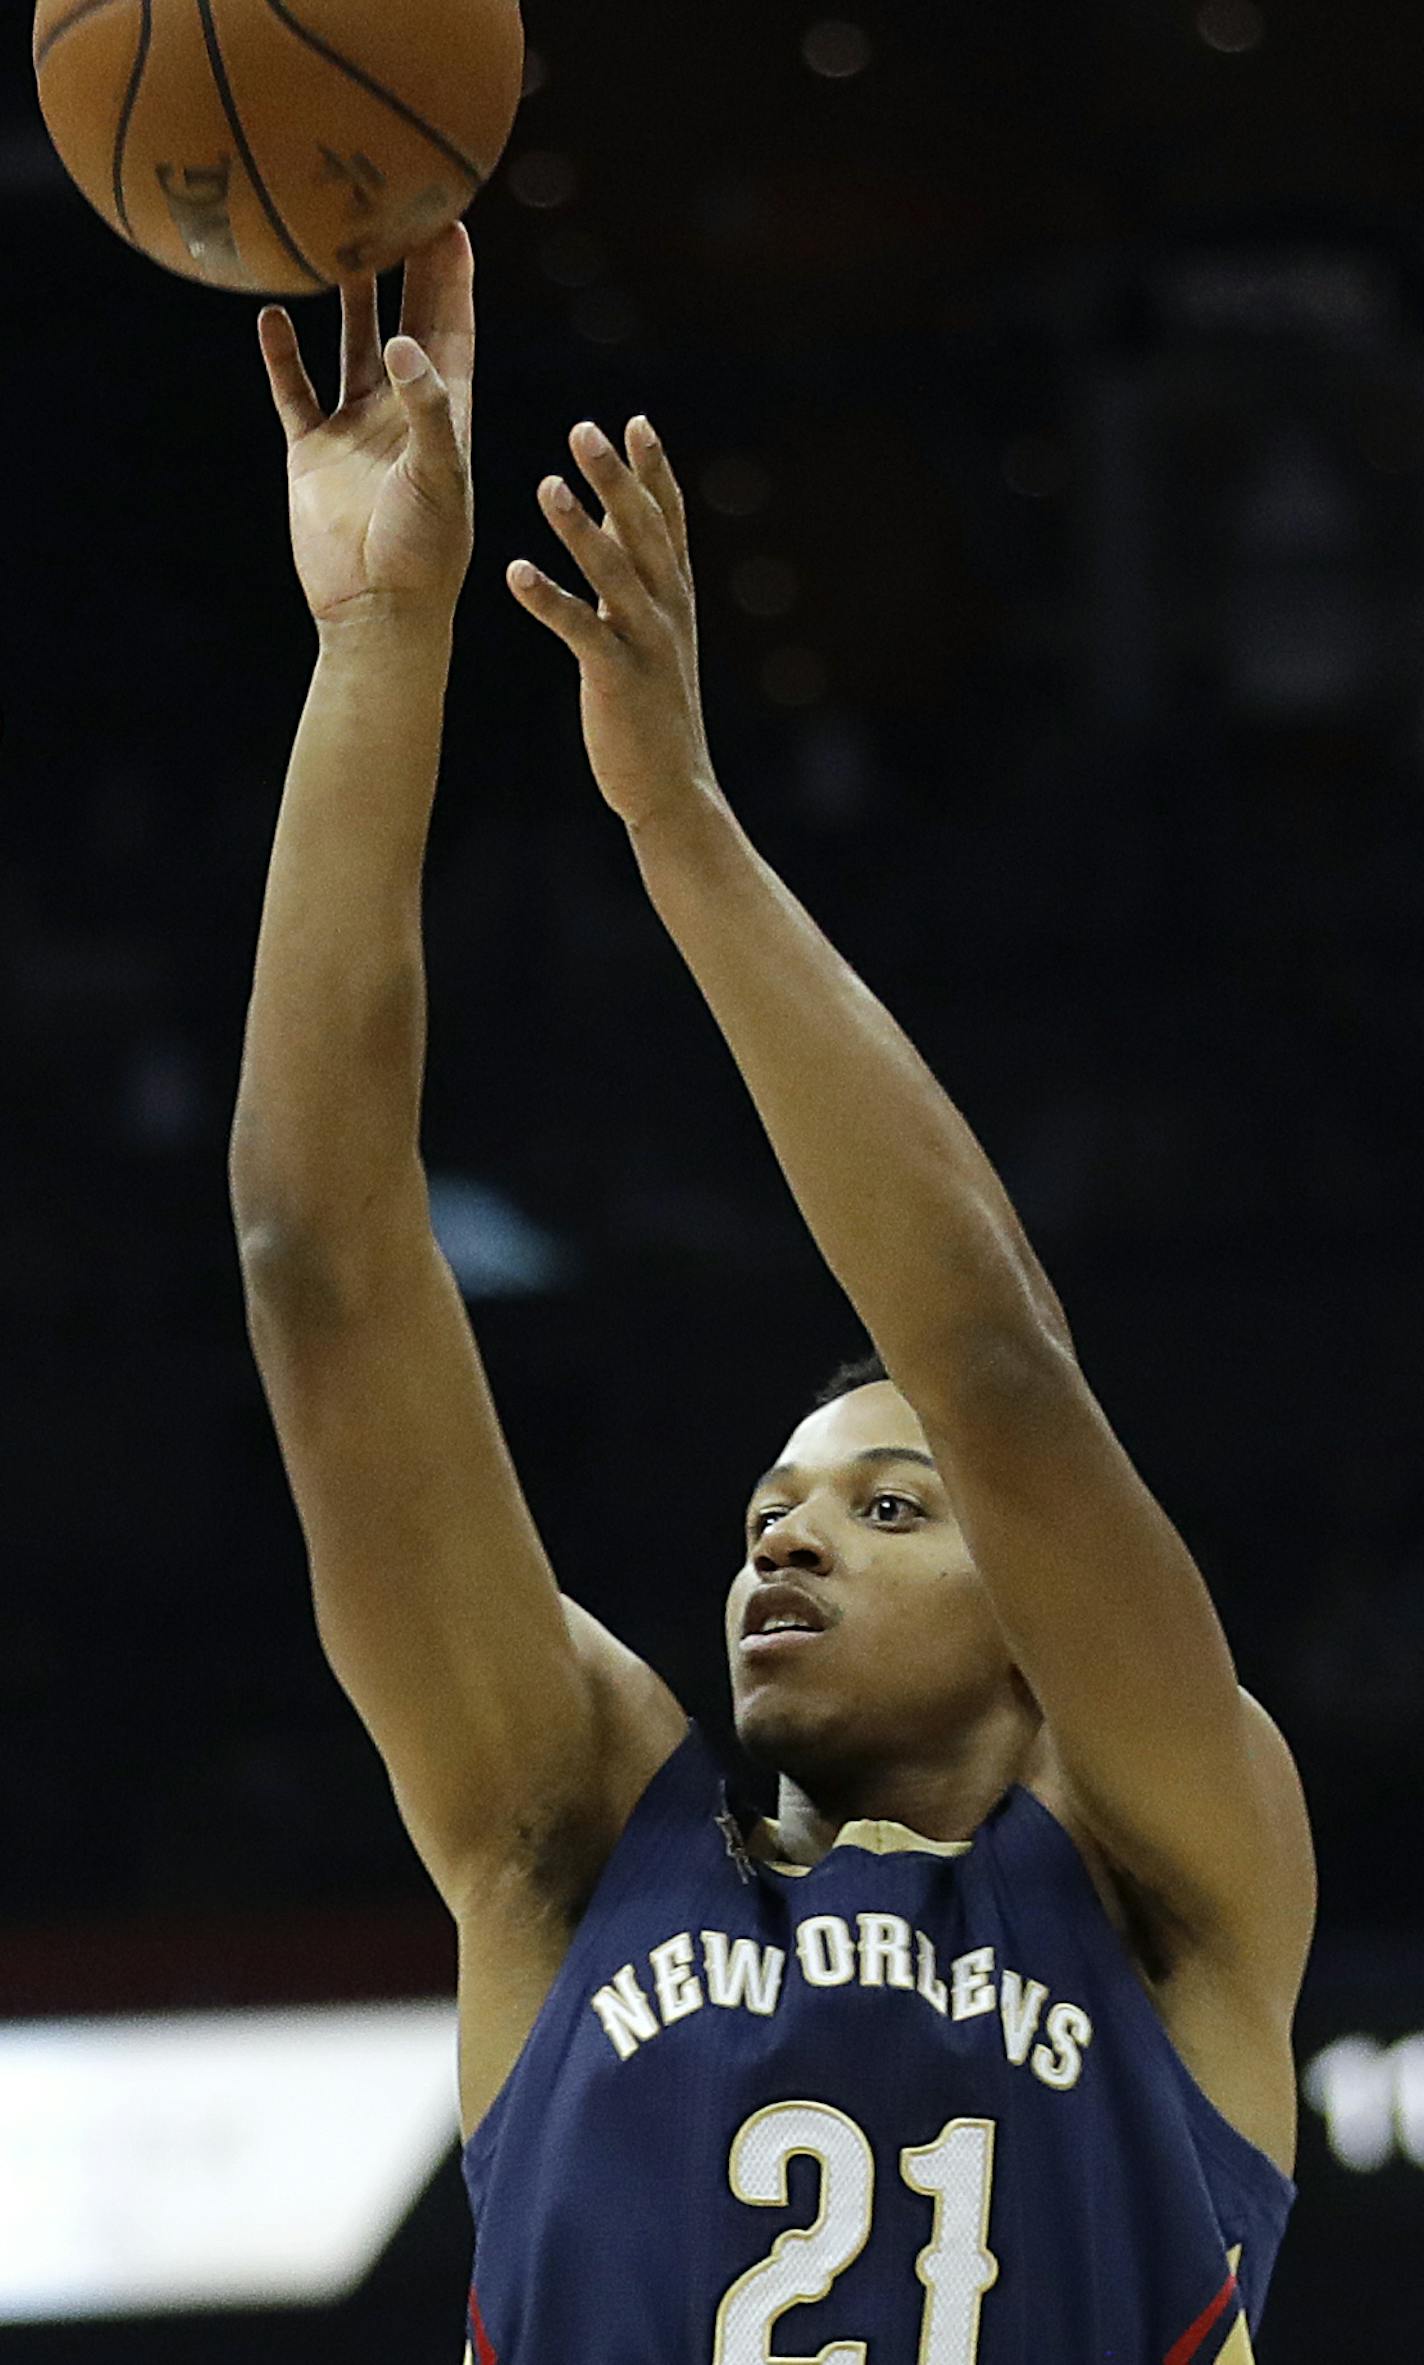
(902, 1201)
(326, 1130)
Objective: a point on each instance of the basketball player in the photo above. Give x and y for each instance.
(982, 2049)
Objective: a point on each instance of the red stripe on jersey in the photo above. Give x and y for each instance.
(484, 2346)
(1182, 2351)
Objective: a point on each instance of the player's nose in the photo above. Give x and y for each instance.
(792, 1543)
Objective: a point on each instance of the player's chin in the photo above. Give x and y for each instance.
(778, 1723)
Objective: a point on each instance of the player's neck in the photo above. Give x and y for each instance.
(945, 1798)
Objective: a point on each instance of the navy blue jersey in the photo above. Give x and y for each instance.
(908, 2106)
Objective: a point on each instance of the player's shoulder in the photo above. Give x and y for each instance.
(1227, 2002)
(1282, 1918)
(533, 1882)
(545, 1852)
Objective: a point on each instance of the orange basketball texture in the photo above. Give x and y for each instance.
(278, 148)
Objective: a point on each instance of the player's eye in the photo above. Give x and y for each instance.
(901, 1502)
(759, 1519)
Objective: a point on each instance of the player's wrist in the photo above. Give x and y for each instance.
(388, 630)
(689, 828)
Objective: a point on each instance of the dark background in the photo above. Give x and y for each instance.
(1047, 382)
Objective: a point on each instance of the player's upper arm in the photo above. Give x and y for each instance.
(1180, 1775)
(435, 1602)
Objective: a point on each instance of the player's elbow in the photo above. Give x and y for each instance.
(1008, 1379)
(295, 1277)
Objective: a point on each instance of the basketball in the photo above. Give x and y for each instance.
(274, 149)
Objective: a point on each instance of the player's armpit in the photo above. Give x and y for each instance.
(1179, 1774)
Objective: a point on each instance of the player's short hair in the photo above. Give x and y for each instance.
(862, 1372)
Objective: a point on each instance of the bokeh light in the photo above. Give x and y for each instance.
(735, 485)
(836, 50)
(1033, 467)
(543, 179)
(1232, 26)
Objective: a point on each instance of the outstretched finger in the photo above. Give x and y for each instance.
(438, 310)
(572, 619)
(634, 521)
(363, 371)
(650, 464)
(292, 390)
(609, 569)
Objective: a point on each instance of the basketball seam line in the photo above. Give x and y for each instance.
(121, 137)
(215, 60)
(76, 16)
(377, 90)
(88, 8)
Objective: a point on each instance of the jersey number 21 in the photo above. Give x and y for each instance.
(956, 2266)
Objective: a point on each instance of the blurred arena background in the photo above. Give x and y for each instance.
(1047, 382)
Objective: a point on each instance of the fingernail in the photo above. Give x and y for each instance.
(560, 495)
(643, 433)
(592, 442)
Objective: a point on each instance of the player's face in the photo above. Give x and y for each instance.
(855, 1516)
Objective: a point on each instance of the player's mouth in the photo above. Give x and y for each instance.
(777, 1645)
(781, 1618)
